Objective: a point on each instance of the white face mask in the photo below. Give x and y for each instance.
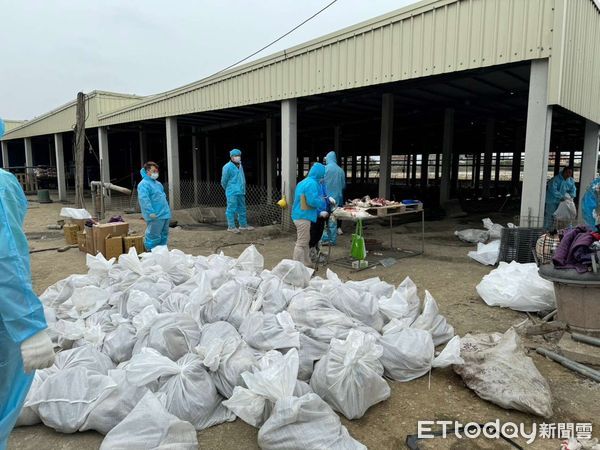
(237, 159)
(154, 175)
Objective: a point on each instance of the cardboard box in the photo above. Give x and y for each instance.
(79, 222)
(102, 231)
(113, 246)
(81, 241)
(89, 241)
(133, 241)
(71, 231)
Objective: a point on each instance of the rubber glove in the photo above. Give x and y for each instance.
(37, 352)
(332, 201)
(324, 214)
(152, 216)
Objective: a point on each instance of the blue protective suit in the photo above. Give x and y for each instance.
(589, 203)
(555, 192)
(234, 183)
(335, 179)
(21, 312)
(153, 200)
(309, 187)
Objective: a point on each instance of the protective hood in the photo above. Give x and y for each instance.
(145, 175)
(235, 152)
(330, 158)
(317, 171)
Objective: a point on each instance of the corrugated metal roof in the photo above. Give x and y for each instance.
(427, 38)
(62, 118)
(575, 64)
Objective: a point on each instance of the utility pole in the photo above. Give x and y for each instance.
(79, 149)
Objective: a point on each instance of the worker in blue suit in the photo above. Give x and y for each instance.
(234, 183)
(590, 204)
(335, 183)
(308, 202)
(154, 206)
(560, 187)
(24, 343)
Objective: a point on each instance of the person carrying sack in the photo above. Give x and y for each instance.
(305, 210)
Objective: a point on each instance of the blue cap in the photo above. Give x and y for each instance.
(235, 152)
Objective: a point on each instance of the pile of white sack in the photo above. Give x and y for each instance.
(154, 347)
(487, 240)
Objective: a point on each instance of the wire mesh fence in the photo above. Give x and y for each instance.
(206, 203)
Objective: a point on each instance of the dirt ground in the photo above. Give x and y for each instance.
(444, 270)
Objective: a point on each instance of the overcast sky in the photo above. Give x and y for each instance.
(50, 50)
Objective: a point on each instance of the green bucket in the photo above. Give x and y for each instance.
(43, 196)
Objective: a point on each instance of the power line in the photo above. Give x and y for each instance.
(278, 39)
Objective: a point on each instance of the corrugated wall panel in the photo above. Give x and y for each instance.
(575, 65)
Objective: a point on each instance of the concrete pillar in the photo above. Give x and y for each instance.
(60, 167)
(143, 138)
(447, 144)
(289, 152)
(270, 160)
(487, 160)
(537, 144)
(195, 164)
(207, 158)
(589, 160)
(173, 162)
(28, 155)
(5, 161)
(103, 151)
(424, 170)
(385, 145)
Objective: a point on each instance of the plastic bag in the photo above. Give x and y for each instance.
(517, 286)
(171, 334)
(73, 213)
(432, 321)
(495, 229)
(118, 343)
(98, 265)
(358, 249)
(115, 406)
(65, 398)
(190, 392)
(149, 425)
(566, 211)
(293, 272)
(497, 369)
(349, 376)
(270, 297)
(486, 254)
(404, 302)
(250, 260)
(310, 350)
(84, 302)
(270, 331)
(305, 422)
(87, 357)
(135, 302)
(231, 303)
(473, 236)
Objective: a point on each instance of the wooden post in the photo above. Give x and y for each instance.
(79, 149)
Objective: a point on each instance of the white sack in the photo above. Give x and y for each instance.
(305, 423)
(270, 297)
(404, 302)
(517, 286)
(190, 392)
(87, 357)
(349, 376)
(495, 229)
(250, 260)
(473, 236)
(486, 254)
(74, 213)
(118, 343)
(310, 350)
(230, 303)
(150, 426)
(270, 331)
(432, 321)
(566, 211)
(98, 265)
(171, 334)
(65, 399)
(497, 369)
(293, 272)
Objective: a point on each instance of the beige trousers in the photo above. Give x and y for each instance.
(301, 250)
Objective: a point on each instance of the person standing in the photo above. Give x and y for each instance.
(317, 228)
(305, 210)
(234, 183)
(24, 342)
(335, 183)
(154, 206)
(560, 187)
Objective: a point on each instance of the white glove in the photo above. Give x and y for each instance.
(567, 197)
(152, 216)
(324, 214)
(37, 352)
(332, 201)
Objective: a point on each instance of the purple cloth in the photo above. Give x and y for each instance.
(574, 250)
